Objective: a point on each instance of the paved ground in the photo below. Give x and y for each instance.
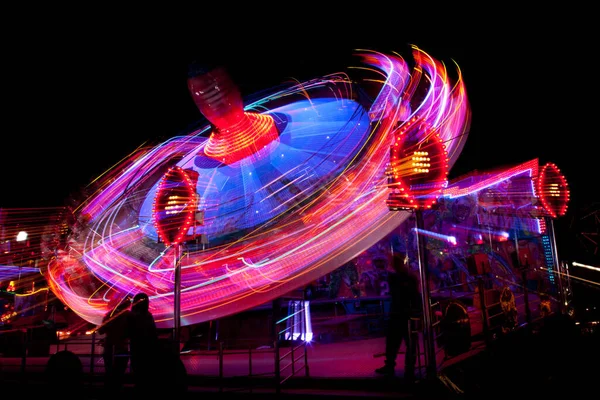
(549, 361)
(554, 362)
(343, 370)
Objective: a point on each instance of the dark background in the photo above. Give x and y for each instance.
(75, 101)
(80, 93)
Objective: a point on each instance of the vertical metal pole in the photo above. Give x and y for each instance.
(250, 360)
(561, 296)
(304, 318)
(517, 249)
(220, 367)
(526, 296)
(276, 315)
(92, 358)
(217, 330)
(484, 316)
(568, 289)
(425, 300)
(277, 367)
(250, 366)
(293, 359)
(177, 299)
(57, 341)
(306, 370)
(292, 321)
(24, 355)
(418, 350)
(409, 345)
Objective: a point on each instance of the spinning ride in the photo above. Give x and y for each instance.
(289, 188)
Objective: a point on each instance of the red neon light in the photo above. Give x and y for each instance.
(175, 205)
(236, 134)
(418, 169)
(553, 190)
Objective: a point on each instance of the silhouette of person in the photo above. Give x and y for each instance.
(143, 344)
(404, 292)
(116, 345)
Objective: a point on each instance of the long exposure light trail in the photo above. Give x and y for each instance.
(576, 264)
(298, 190)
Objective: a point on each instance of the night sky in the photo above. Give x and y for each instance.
(78, 97)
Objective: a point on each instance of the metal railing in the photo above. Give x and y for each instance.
(295, 327)
(485, 304)
(287, 355)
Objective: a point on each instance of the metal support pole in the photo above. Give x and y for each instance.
(92, 358)
(293, 358)
(518, 264)
(306, 371)
(567, 284)
(561, 296)
(484, 316)
(304, 318)
(220, 367)
(250, 367)
(409, 345)
(526, 296)
(276, 304)
(425, 300)
(250, 360)
(277, 367)
(177, 300)
(24, 355)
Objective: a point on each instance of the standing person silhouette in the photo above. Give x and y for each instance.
(116, 345)
(143, 344)
(404, 292)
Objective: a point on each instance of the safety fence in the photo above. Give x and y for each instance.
(499, 305)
